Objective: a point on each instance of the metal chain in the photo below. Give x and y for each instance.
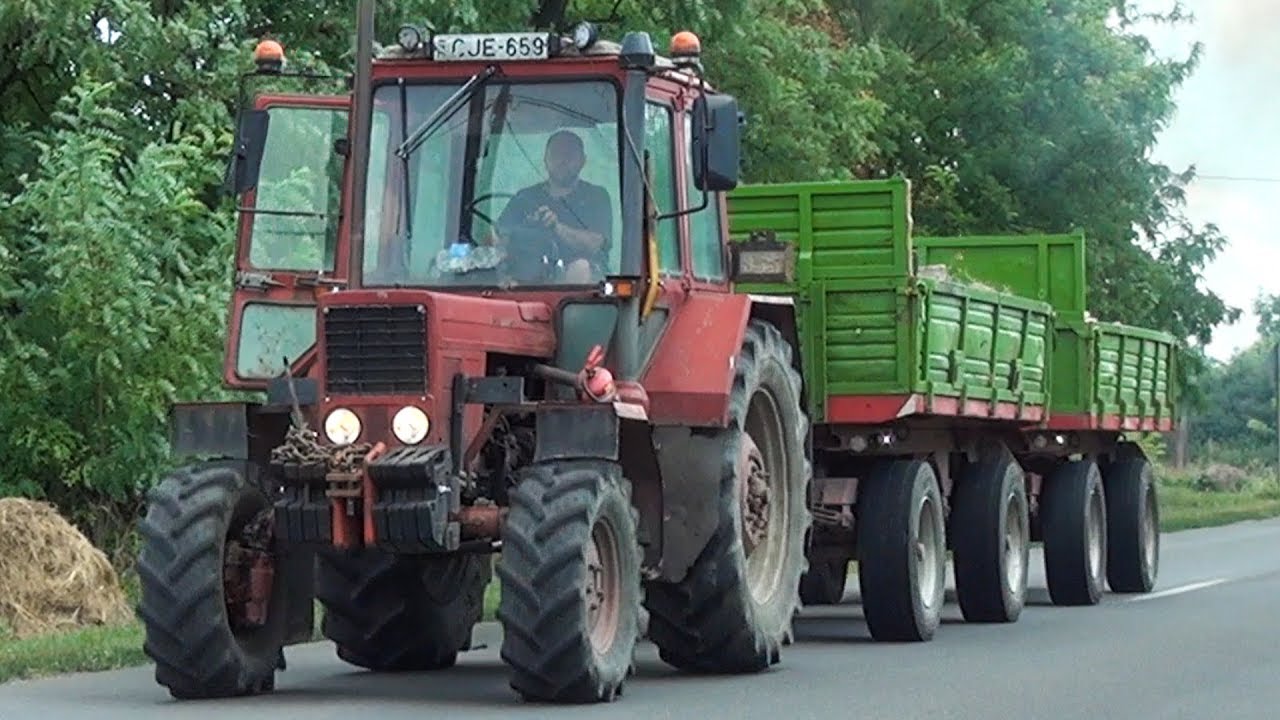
(302, 447)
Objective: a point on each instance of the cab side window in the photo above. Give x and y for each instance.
(659, 142)
(704, 225)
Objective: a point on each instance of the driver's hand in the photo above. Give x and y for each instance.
(547, 216)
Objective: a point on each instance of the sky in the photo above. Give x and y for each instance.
(1228, 125)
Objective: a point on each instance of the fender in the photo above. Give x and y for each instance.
(689, 380)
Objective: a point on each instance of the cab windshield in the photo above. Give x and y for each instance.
(519, 186)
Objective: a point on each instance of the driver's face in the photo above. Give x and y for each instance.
(564, 161)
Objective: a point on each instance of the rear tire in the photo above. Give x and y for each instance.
(185, 534)
(733, 611)
(570, 572)
(824, 582)
(1074, 520)
(1133, 526)
(902, 551)
(991, 550)
(393, 613)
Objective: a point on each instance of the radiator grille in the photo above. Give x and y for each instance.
(375, 350)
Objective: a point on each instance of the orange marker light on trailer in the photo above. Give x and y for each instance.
(685, 44)
(269, 55)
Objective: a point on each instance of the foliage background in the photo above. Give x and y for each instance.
(116, 117)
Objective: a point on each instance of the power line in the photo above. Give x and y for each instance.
(1234, 178)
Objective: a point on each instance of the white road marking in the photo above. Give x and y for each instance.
(1179, 590)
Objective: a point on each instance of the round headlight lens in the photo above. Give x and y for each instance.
(410, 425)
(585, 35)
(342, 427)
(410, 38)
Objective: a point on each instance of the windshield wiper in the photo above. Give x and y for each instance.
(444, 112)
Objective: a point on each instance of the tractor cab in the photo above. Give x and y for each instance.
(527, 165)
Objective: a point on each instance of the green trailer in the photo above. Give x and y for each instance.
(878, 341)
(1106, 376)
(962, 400)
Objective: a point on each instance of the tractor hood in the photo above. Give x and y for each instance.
(380, 350)
(386, 330)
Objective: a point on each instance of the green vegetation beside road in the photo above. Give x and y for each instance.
(1216, 495)
(87, 649)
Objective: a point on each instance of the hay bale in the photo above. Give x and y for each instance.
(51, 576)
(1222, 478)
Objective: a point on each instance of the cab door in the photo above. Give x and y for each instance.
(290, 247)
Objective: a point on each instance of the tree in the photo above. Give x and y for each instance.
(115, 121)
(1039, 116)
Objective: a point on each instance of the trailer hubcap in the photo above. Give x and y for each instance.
(927, 553)
(1094, 529)
(1150, 535)
(1014, 541)
(603, 586)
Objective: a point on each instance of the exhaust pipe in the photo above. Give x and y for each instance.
(361, 120)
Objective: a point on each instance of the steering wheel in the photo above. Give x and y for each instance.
(471, 206)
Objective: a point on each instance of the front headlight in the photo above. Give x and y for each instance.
(410, 425)
(342, 427)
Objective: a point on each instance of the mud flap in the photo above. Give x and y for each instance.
(687, 459)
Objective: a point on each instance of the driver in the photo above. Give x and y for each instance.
(575, 211)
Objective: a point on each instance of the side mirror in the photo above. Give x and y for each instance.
(246, 157)
(716, 143)
(762, 258)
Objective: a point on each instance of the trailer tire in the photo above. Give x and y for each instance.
(185, 534)
(734, 610)
(824, 582)
(1074, 520)
(902, 551)
(1133, 526)
(991, 531)
(571, 524)
(396, 613)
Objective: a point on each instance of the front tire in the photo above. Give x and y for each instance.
(733, 610)
(195, 517)
(902, 551)
(570, 573)
(394, 613)
(991, 528)
(1133, 526)
(1074, 522)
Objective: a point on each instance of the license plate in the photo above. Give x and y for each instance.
(498, 46)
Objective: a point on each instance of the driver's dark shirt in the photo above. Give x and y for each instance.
(586, 207)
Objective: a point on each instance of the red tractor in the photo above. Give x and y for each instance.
(487, 298)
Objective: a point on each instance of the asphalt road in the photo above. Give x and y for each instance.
(1205, 645)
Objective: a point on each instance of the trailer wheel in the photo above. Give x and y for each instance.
(1074, 520)
(902, 552)
(392, 613)
(195, 528)
(991, 547)
(823, 583)
(1133, 526)
(733, 610)
(570, 573)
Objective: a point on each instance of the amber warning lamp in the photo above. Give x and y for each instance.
(269, 56)
(686, 48)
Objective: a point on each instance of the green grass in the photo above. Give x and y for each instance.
(88, 649)
(1183, 508)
